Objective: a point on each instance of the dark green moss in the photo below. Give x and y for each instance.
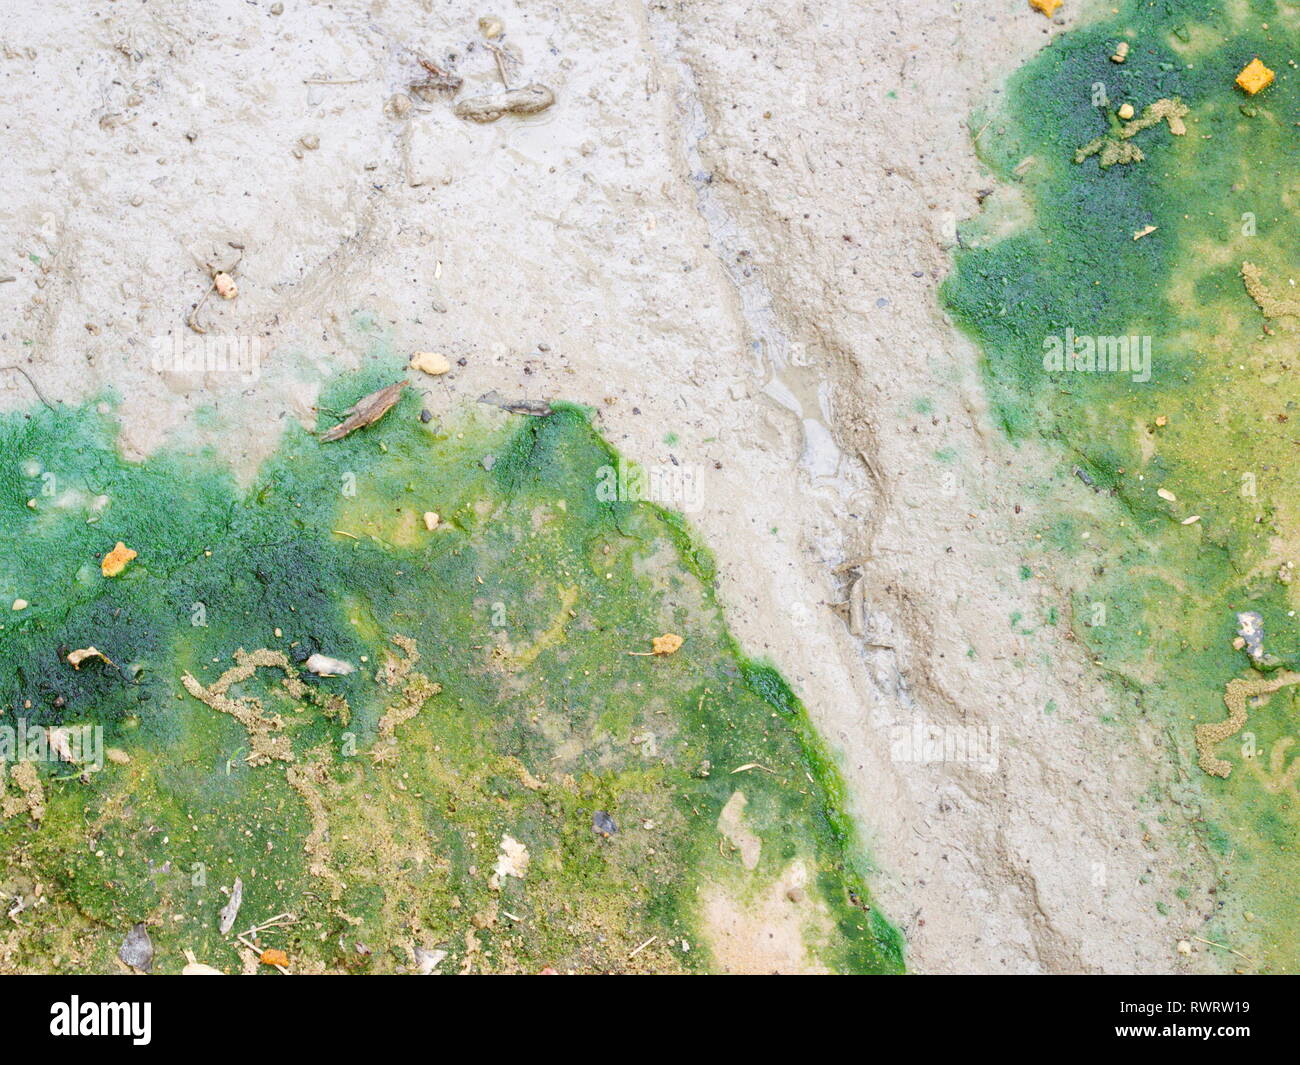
(531, 605)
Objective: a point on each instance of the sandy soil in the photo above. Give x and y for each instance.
(727, 236)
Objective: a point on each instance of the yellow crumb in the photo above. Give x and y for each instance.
(1255, 77)
(1047, 7)
(115, 561)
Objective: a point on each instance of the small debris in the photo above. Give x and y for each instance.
(603, 824)
(1192, 520)
(653, 938)
(366, 411)
(1125, 111)
(512, 861)
(1145, 231)
(229, 913)
(1047, 7)
(1166, 495)
(529, 100)
(1255, 77)
(1121, 52)
(1184, 947)
(194, 967)
(116, 560)
(225, 285)
(666, 644)
(439, 81)
(137, 949)
(428, 960)
(431, 520)
(491, 27)
(61, 744)
(117, 756)
(324, 666)
(537, 408)
(1250, 634)
(21, 604)
(1162, 420)
(275, 957)
(75, 658)
(434, 363)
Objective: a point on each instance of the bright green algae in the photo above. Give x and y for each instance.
(523, 605)
(1158, 582)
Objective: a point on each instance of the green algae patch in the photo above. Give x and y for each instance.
(1139, 317)
(417, 743)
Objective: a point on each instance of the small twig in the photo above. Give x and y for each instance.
(1222, 946)
(19, 369)
(641, 947)
(193, 320)
(330, 81)
(501, 63)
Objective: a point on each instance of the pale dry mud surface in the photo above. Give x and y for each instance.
(726, 236)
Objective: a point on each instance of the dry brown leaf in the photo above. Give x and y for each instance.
(366, 411)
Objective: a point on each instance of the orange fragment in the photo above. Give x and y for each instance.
(666, 644)
(1255, 77)
(1047, 7)
(115, 561)
(274, 957)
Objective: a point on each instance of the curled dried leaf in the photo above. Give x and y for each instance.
(366, 411)
(230, 911)
(82, 654)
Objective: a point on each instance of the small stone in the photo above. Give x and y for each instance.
(137, 949)
(431, 520)
(1184, 947)
(603, 824)
(21, 604)
(434, 363)
(277, 9)
(225, 285)
(1125, 111)
(489, 461)
(309, 141)
(426, 416)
